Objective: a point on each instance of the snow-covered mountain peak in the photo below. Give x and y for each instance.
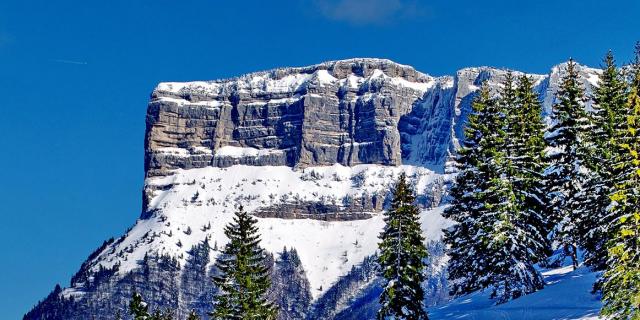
(291, 79)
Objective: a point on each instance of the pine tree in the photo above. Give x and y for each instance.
(621, 280)
(465, 271)
(138, 308)
(193, 316)
(512, 196)
(514, 239)
(492, 220)
(530, 163)
(525, 163)
(401, 259)
(244, 277)
(565, 176)
(500, 231)
(607, 120)
(290, 289)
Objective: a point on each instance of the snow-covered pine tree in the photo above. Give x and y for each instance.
(527, 156)
(243, 277)
(501, 229)
(512, 125)
(621, 280)
(495, 193)
(607, 120)
(524, 150)
(138, 308)
(465, 270)
(567, 156)
(515, 239)
(291, 290)
(401, 259)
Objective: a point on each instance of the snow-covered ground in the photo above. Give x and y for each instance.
(566, 296)
(195, 204)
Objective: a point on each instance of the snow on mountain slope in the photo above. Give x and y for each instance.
(191, 205)
(287, 80)
(566, 296)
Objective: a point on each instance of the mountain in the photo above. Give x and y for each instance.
(312, 152)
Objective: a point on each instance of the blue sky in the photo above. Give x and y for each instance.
(75, 77)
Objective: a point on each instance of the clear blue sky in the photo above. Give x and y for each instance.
(75, 77)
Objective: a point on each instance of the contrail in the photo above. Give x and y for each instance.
(69, 61)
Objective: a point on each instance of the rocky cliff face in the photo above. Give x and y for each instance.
(347, 112)
(343, 112)
(312, 152)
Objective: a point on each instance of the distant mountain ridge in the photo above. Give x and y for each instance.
(312, 151)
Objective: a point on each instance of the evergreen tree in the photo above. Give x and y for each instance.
(465, 271)
(244, 277)
(401, 259)
(569, 153)
(621, 280)
(607, 121)
(512, 196)
(138, 308)
(290, 289)
(193, 316)
(530, 163)
(525, 163)
(489, 222)
(500, 230)
(514, 239)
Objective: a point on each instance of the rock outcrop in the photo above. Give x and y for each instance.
(343, 112)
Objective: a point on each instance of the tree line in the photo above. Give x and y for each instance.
(524, 189)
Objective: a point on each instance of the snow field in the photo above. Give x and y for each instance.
(192, 205)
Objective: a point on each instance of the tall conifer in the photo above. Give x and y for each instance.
(525, 145)
(243, 280)
(499, 234)
(401, 259)
(568, 156)
(621, 280)
(516, 239)
(607, 122)
(465, 270)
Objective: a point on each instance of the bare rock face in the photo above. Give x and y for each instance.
(343, 112)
